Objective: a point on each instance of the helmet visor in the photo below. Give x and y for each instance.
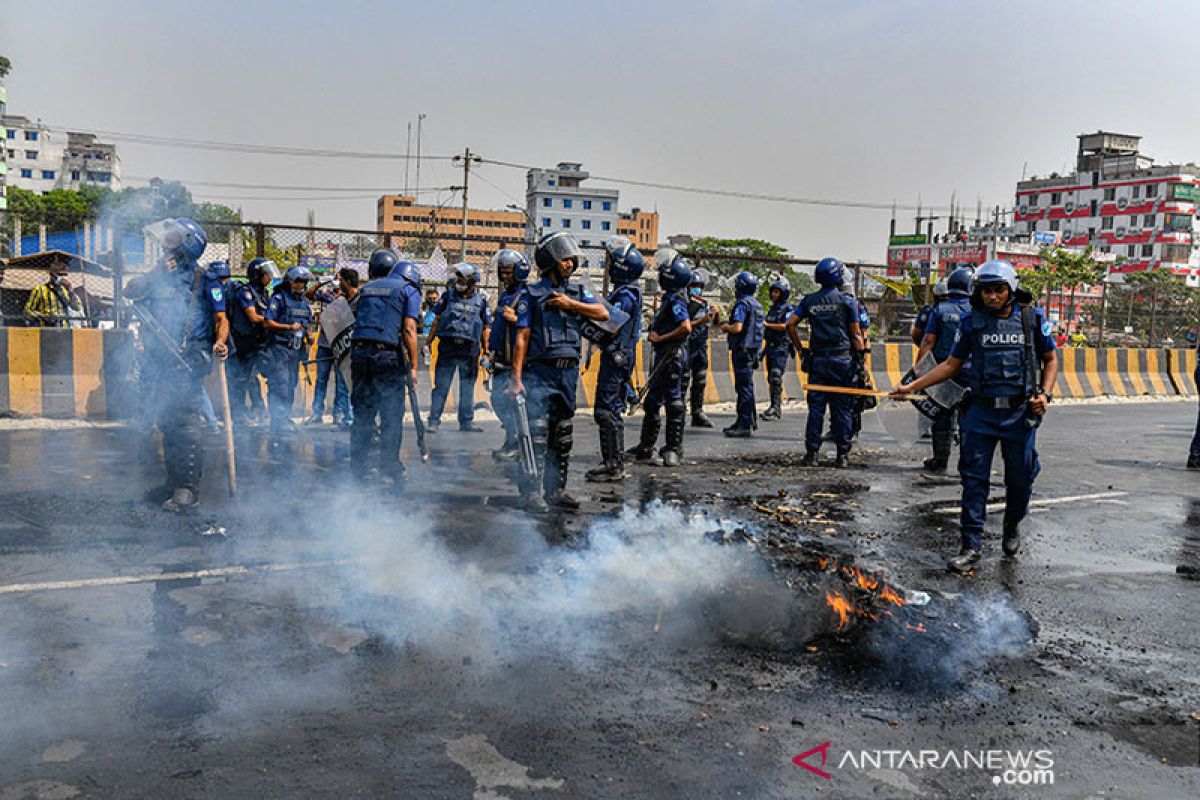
(561, 248)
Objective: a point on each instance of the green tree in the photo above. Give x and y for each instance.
(725, 257)
(5, 67)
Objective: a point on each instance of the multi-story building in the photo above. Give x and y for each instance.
(40, 159)
(1120, 201)
(555, 201)
(639, 227)
(405, 219)
(3, 150)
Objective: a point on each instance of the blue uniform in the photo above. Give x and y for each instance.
(918, 331)
(245, 365)
(744, 354)
(283, 354)
(1001, 381)
(502, 338)
(695, 373)
(551, 375)
(666, 390)
(777, 348)
(617, 361)
(461, 323)
(829, 313)
(183, 301)
(1194, 450)
(342, 412)
(377, 371)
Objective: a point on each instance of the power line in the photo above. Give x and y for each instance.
(277, 187)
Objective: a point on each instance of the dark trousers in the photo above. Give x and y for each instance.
(612, 382)
(830, 371)
(455, 356)
(175, 397)
(695, 374)
(379, 390)
(502, 403)
(341, 395)
(744, 362)
(1195, 449)
(550, 393)
(668, 384)
(281, 364)
(982, 429)
(244, 367)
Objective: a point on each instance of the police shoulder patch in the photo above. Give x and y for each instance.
(522, 307)
(216, 293)
(1046, 328)
(587, 295)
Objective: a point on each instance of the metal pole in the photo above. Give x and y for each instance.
(417, 184)
(462, 250)
(260, 240)
(1103, 311)
(407, 156)
(118, 265)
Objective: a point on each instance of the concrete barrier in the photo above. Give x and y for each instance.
(1181, 366)
(60, 372)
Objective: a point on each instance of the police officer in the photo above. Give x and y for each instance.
(247, 309)
(745, 330)
(941, 329)
(512, 270)
(1193, 461)
(286, 321)
(1011, 350)
(776, 346)
(343, 415)
(189, 307)
(625, 264)
(861, 379)
(668, 337)
(383, 358)
(695, 374)
(834, 334)
(922, 319)
(546, 363)
(461, 326)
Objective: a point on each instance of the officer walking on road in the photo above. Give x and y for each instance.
(343, 415)
(247, 315)
(695, 373)
(861, 378)
(625, 265)
(834, 333)
(287, 320)
(941, 329)
(668, 337)
(1011, 350)
(512, 270)
(461, 327)
(383, 359)
(745, 331)
(549, 345)
(1193, 461)
(189, 308)
(776, 346)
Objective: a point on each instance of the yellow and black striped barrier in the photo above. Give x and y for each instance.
(1181, 366)
(59, 372)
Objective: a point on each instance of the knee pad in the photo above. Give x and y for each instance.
(676, 408)
(562, 436)
(605, 419)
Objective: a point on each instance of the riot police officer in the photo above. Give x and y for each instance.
(287, 320)
(668, 337)
(625, 264)
(247, 310)
(834, 333)
(941, 329)
(862, 379)
(695, 373)
(776, 346)
(383, 359)
(1011, 350)
(922, 319)
(745, 330)
(546, 364)
(512, 270)
(461, 322)
(190, 327)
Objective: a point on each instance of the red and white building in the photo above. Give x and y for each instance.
(1120, 202)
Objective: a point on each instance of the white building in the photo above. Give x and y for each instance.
(40, 159)
(1118, 200)
(555, 201)
(3, 151)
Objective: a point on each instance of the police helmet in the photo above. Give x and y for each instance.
(625, 262)
(185, 239)
(465, 273)
(941, 289)
(699, 278)
(785, 288)
(219, 269)
(381, 263)
(994, 272)
(556, 247)
(828, 272)
(674, 274)
(745, 283)
(259, 267)
(958, 283)
(297, 275)
(514, 260)
(406, 271)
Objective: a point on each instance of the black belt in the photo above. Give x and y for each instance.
(999, 402)
(558, 363)
(831, 352)
(364, 344)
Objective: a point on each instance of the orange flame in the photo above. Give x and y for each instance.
(841, 607)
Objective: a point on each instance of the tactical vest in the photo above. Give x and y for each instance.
(379, 316)
(777, 314)
(950, 314)
(463, 316)
(293, 311)
(698, 307)
(829, 320)
(631, 331)
(751, 335)
(246, 334)
(178, 303)
(999, 356)
(502, 336)
(553, 334)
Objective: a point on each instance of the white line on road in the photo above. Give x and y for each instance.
(1049, 501)
(215, 572)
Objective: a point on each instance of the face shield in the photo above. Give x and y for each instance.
(616, 246)
(564, 248)
(665, 255)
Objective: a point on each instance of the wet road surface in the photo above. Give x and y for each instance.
(316, 639)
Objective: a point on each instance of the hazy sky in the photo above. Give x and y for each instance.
(861, 100)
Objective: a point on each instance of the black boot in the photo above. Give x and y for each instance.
(941, 452)
(775, 409)
(612, 453)
(812, 458)
(842, 461)
(700, 419)
(964, 562)
(530, 486)
(644, 451)
(676, 417)
(1193, 462)
(1012, 538)
(558, 460)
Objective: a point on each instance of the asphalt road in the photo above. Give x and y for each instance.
(673, 640)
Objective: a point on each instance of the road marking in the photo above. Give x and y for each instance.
(1049, 501)
(214, 572)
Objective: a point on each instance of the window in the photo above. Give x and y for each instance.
(566, 222)
(566, 202)
(586, 224)
(607, 206)
(1148, 221)
(545, 222)
(1054, 225)
(12, 134)
(1106, 223)
(550, 181)
(1137, 192)
(1177, 253)
(1110, 193)
(606, 226)
(585, 243)
(1092, 209)
(587, 205)
(26, 173)
(1152, 190)
(12, 153)
(31, 136)
(1055, 198)
(75, 177)
(547, 202)
(1147, 251)
(48, 174)
(31, 155)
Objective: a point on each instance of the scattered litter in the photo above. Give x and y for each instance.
(215, 530)
(915, 598)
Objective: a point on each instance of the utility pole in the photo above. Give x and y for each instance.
(996, 233)
(417, 186)
(407, 156)
(467, 158)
